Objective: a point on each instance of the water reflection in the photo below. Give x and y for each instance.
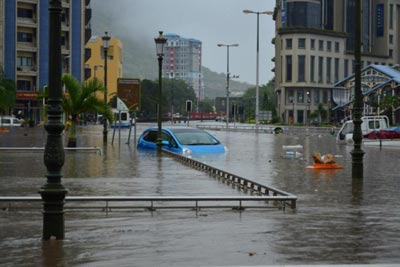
(53, 253)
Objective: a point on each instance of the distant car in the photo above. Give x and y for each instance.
(187, 141)
(10, 121)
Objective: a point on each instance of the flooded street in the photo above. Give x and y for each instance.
(337, 221)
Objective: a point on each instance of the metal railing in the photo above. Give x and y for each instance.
(150, 203)
(40, 149)
(242, 183)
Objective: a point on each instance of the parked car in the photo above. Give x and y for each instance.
(187, 141)
(6, 121)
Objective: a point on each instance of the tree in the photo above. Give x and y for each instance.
(175, 92)
(8, 93)
(266, 100)
(80, 100)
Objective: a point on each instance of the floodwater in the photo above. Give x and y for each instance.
(338, 220)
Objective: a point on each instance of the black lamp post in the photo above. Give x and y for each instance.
(106, 44)
(357, 153)
(53, 192)
(160, 42)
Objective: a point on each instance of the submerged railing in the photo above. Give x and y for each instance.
(243, 183)
(151, 203)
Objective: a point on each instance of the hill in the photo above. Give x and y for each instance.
(139, 60)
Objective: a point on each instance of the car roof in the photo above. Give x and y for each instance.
(173, 128)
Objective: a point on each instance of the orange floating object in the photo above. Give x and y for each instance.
(325, 166)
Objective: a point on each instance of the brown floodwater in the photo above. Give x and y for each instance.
(338, 220)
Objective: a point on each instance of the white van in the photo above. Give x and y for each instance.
(8, 121)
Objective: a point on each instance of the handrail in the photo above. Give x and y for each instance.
(195, 200)
(243, 183)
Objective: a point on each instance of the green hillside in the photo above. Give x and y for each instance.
(139, 60)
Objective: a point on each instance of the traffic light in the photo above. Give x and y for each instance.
(188, 105)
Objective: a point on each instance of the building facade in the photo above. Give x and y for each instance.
(114, 63)
(314, 49)
(182, 60)
(24, 46)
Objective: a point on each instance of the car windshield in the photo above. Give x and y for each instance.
(194, 137)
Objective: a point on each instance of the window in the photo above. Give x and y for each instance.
(337, 47)
(391, 17)
(290, 95)
(288, 43)
(312, 68)
(316, 96)
(312, 43)
(391, 39)
(300, 96)
(25, 13)
(321, 45)
(23, 85)
(346, 68)
(391, 53)
(328, 70)
(302, 43)
(320, 68)
(301, 68)
(24, 61)
(325, 97)
(288, 68)
(25, 37)
(336, 75)
(329, 46)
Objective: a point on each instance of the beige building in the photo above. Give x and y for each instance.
(314, 50)
(114, 62)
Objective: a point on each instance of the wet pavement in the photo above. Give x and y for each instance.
(338, 220)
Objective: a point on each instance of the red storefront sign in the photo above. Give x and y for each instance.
(27, 95)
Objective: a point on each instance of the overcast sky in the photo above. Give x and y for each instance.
(211, 22)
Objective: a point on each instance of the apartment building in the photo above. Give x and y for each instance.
(182, 60)
(315, 49)
(24, 46)
(114, 63)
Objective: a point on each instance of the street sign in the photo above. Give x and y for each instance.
(265, 115)
(128, 91)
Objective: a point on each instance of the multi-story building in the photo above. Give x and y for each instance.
(24, 46)
(114, 62)
(182, 60)
(315, 49)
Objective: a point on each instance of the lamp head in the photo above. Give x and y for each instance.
(247, 11)
(106, 40)
(160, 42)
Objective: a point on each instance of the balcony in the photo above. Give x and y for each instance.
(88, 33)
(28, 1)
(88, 53)
(27, 46)
(27, 70)
(88, 15)
(27, 22)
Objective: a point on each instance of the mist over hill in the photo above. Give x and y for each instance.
(139, 59)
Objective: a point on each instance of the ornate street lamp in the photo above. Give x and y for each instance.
(53, 192)
(227, 78)
(160, 42)
(357, 153)
(246, 11)
(106, 45)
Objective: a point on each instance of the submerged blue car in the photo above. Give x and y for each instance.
(182, 140)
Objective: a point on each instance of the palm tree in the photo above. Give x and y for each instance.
(7, 93)
(80, 100)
